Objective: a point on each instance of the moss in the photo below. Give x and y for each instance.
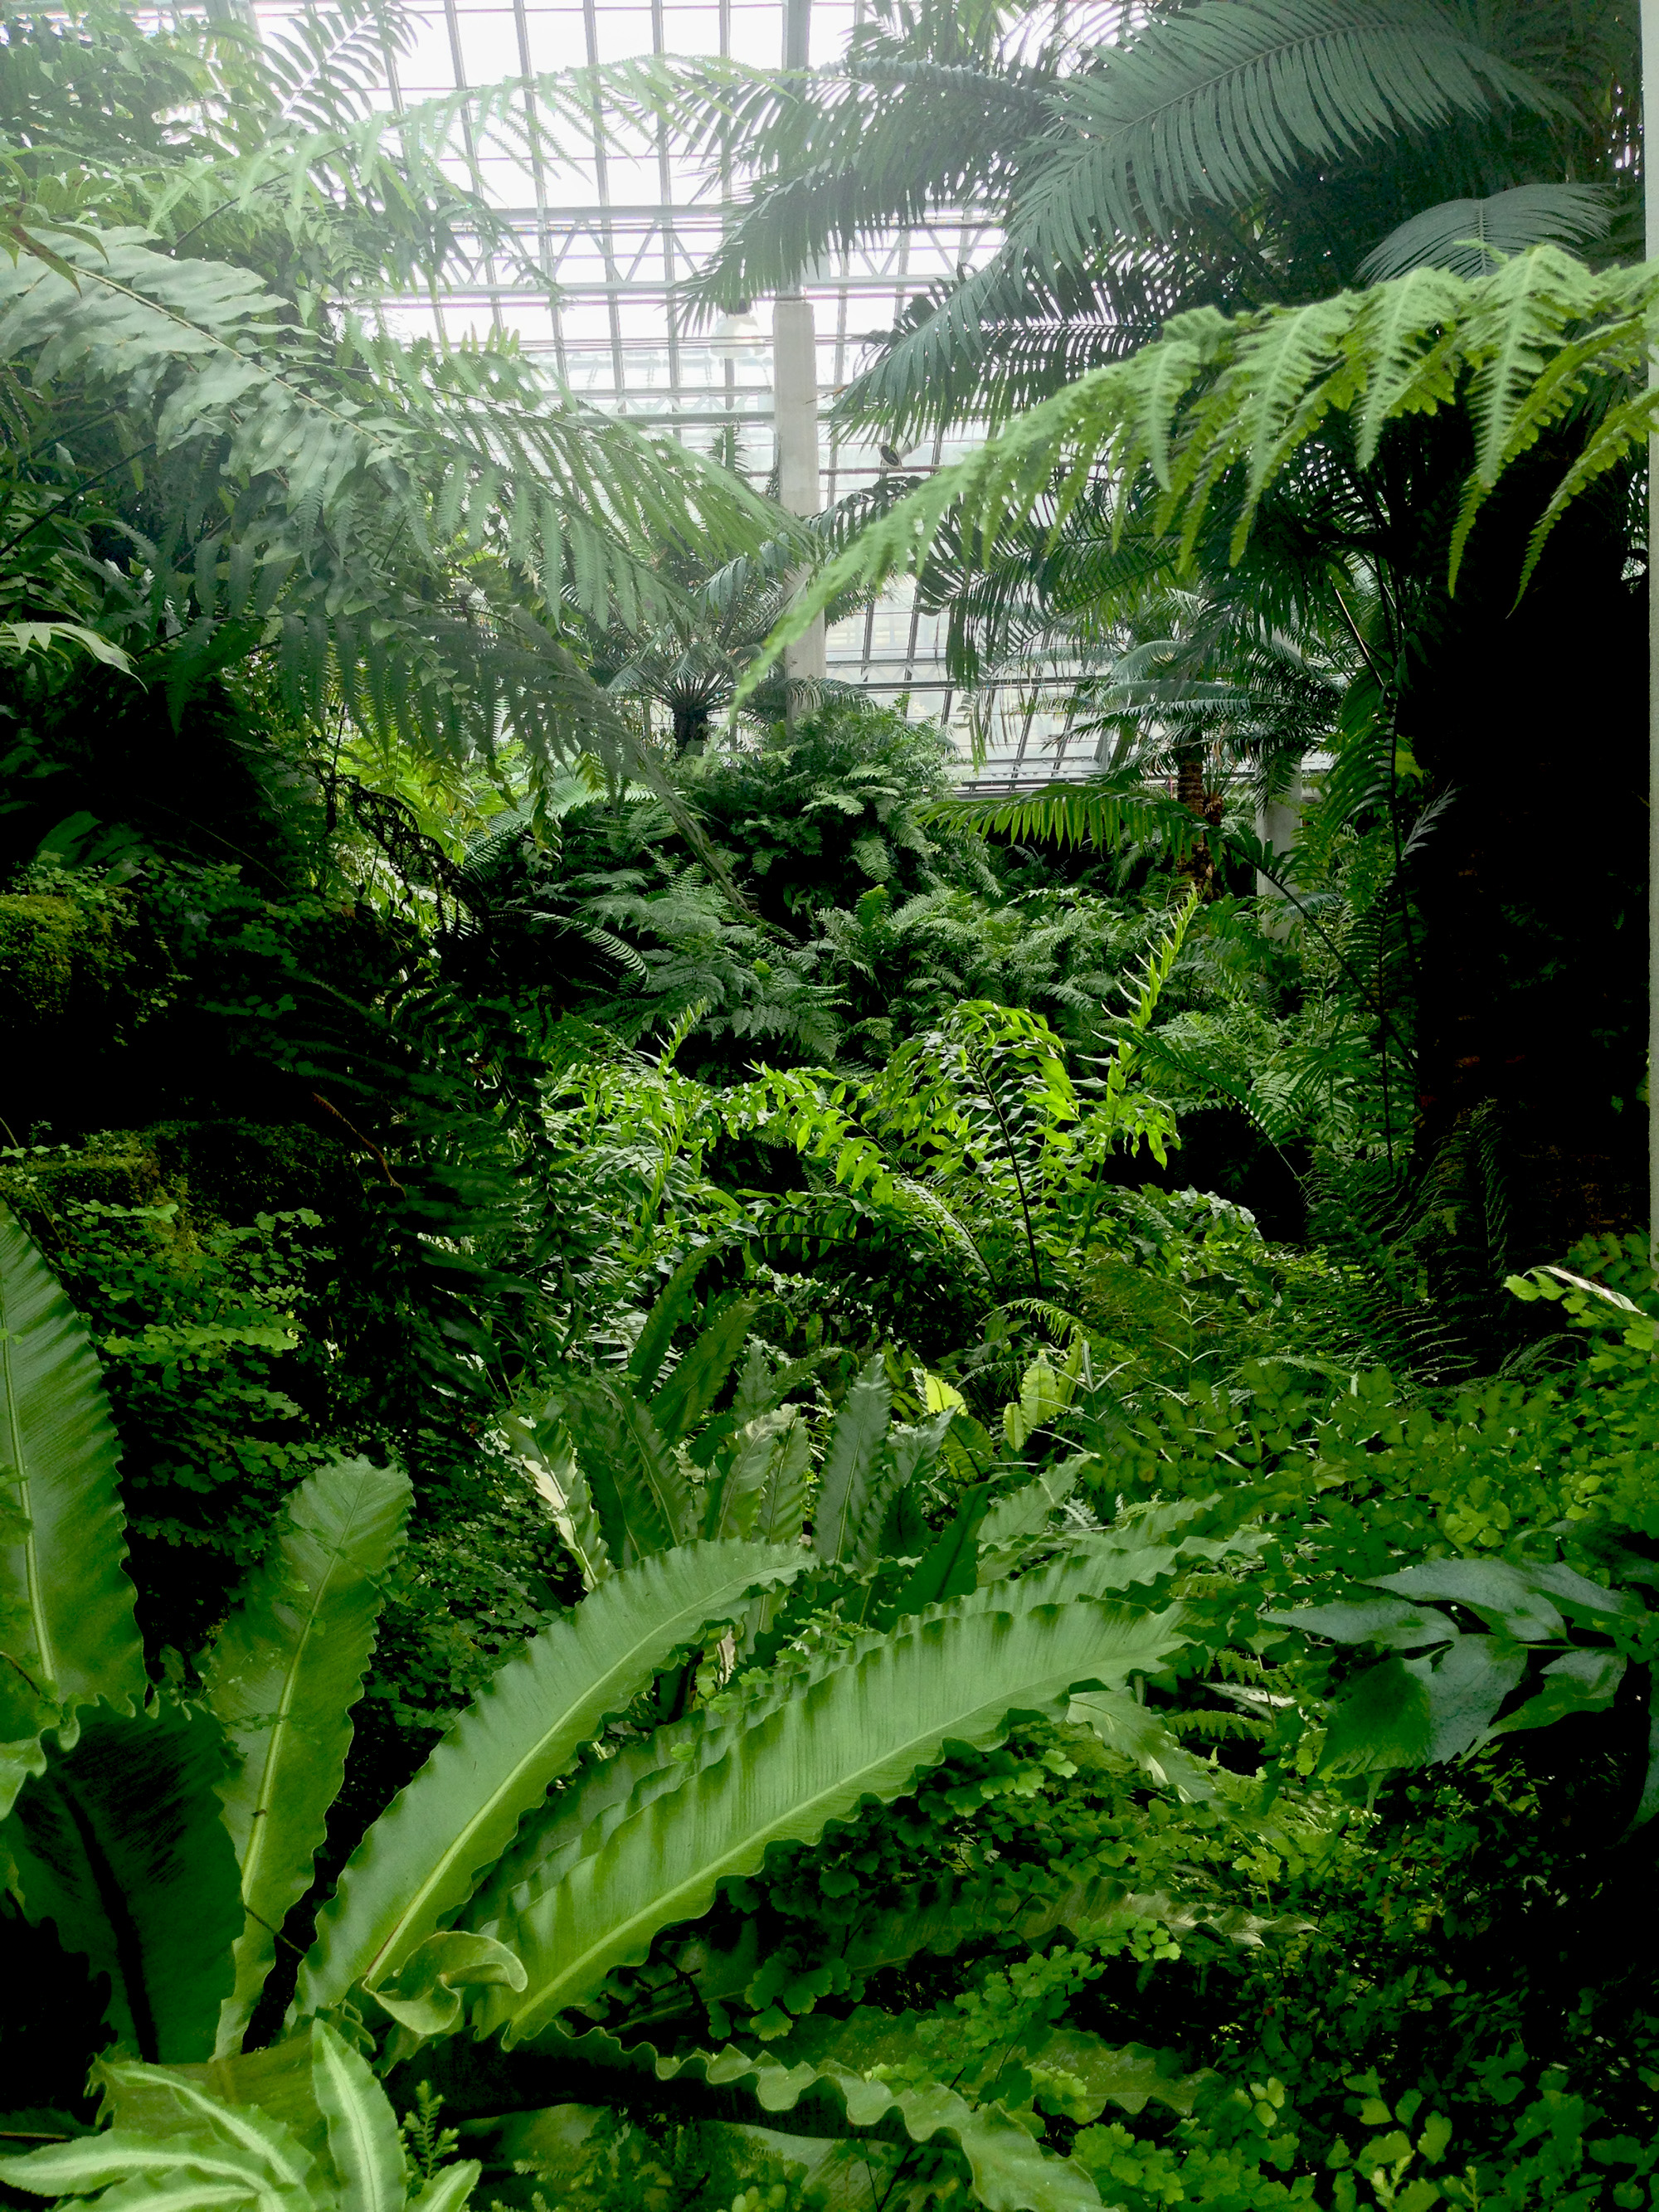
(213, 1171)
(38, 960)
(117, 1168)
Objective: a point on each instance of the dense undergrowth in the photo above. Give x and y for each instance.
(725, 1487)
(1294, 1921)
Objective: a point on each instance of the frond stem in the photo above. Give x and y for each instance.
(1013, 1163)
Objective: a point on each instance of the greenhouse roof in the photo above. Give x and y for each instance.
(613, 227)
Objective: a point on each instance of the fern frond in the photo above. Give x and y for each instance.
(1236, 401)
(1212, 102)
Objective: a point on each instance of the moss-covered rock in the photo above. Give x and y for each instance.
(72, 984)
(38, 939)
(213, 1171)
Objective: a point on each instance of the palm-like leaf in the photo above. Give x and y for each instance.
(1116, 158)
(1214, 102)
(1468, 236)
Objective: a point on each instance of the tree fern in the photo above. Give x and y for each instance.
(420, 533)
(1116, 155)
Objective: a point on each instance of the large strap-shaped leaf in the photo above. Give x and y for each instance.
(286, 1671)
(636, 1483)
(180, 2172)
(420, 1861)
(604, 1792)
(740, 1483)
(232, 2102)
(609, 1791)
(120, 1845)
(362, 2128)
(696, 1384)
(864, 1731)
(940, 1919)
(66, 1605)
(950, 1566)
(1012, 2172)
(851, 1459)
(645, 1364)
(782, 1508)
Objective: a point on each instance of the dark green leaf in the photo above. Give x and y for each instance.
(120, 1845)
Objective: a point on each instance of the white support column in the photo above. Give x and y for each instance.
(795, 403)
(1276, 826)
(795, 387)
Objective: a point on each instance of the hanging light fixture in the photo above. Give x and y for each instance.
(738, 336)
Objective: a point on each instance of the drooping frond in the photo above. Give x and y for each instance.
(419, 528)
(1099, 812)
(1231, 403)
(1009, 334)
(903, 127)
(1212, 102)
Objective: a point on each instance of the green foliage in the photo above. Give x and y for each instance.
(329, 2142)
(72, 1639)
(422, 1860)
(418, 535)
(204, 1338)
(117, 1843)
(1121, 162)
(285, 1670)
(1215, 410)
(917, 1629)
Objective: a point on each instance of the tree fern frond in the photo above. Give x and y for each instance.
(1099, 810)
(1234, 402)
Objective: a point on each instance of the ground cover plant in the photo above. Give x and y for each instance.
(725, 1484)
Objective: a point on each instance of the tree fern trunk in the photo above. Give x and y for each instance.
(1189, 769)
(1199, 867)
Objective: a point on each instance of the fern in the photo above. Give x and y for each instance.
(1240, 401)
(420, 534)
